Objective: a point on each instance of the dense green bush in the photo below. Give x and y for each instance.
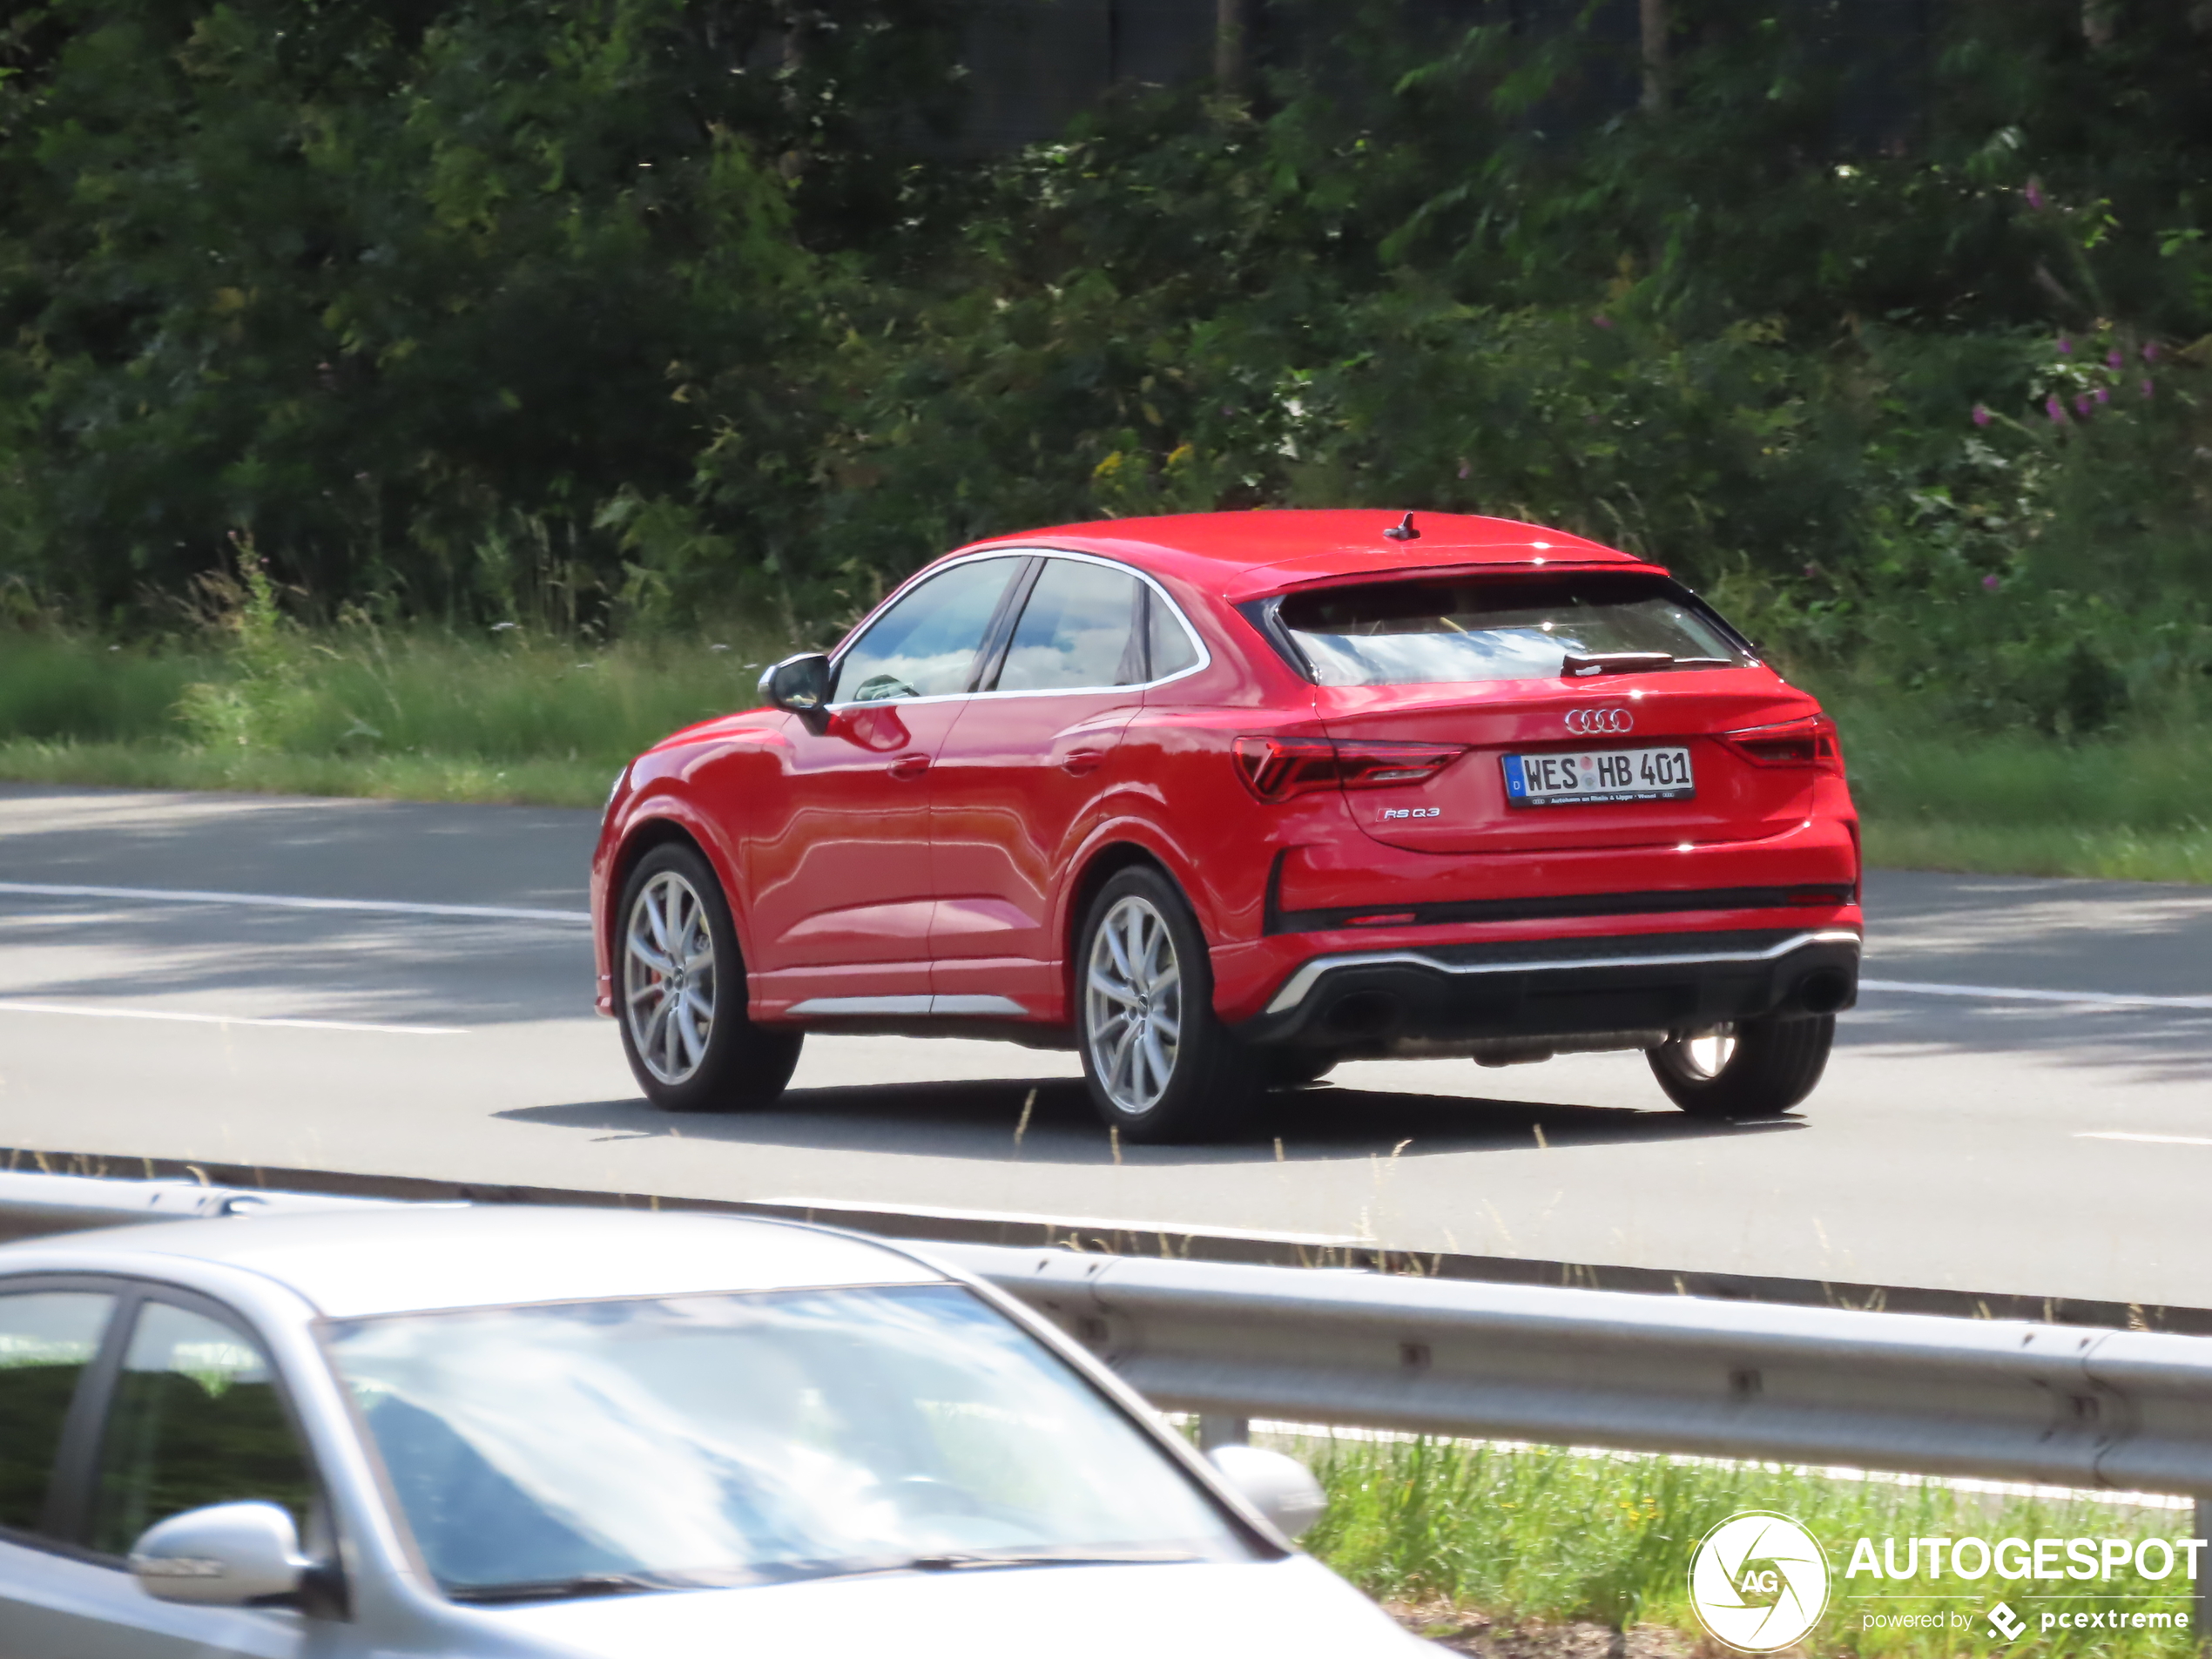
(616, 313)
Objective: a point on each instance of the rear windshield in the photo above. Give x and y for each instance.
(1507, 627)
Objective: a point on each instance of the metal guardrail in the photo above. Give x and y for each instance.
(31, 1205)
(1138, 1239)
(2000, 1398)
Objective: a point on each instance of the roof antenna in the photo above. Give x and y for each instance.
(1405, 531)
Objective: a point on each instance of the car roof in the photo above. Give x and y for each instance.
(355, 1262)
(1243, 555)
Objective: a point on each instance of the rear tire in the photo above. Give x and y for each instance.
(1752, 1069)
(680, 993)
(1160, 1066)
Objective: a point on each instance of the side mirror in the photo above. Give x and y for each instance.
(227, 1555)
(1281, 1488)
(798, 684)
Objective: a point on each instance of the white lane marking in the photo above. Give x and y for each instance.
(2100, 999)
(289, 901)
(2156, 1140)
(9, 1006)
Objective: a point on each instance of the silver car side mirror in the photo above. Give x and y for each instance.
(1280, 1488)
(225, 1555)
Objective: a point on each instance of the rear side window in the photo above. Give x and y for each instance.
(1172, 650)
(195, 1419)
(1506, 628)
(925, 644)
(47, 1340)
(1081, 628)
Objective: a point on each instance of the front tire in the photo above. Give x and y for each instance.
(1160, 1066)
(680, 993)
(1752, 1069)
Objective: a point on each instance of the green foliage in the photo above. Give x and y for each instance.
(602, 316)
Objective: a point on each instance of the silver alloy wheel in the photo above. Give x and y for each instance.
(1706, 1054)
(1133, 998)
(667, 977)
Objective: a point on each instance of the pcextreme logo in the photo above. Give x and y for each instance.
(1758, 1583)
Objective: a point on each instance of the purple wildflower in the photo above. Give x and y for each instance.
(1990, 583)
(2150, 351)
(2055, 409)
(2146, 386)
(2103, 395)
(2066, 347)
(2082, 406)
(1981, 415)
(1464, 469)
(1602, 320)
(1811, 570)
(2115, 358)
(2035, 195)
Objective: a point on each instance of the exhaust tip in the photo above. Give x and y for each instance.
(1364, 1013)
(1824, 990)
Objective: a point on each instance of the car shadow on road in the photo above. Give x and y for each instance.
(1050, 1120)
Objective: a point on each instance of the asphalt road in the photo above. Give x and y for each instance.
(2035, 1117)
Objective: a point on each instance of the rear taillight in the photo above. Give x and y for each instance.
(1809, 742)
(1278, 768)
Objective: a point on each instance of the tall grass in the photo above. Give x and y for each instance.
(422, 715)
(1541, 1534)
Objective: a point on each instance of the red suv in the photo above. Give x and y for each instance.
(1220, 801)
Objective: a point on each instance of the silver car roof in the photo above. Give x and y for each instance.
(352, 1263)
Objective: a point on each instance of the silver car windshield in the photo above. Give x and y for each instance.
(1510, 628)
(705, 1440)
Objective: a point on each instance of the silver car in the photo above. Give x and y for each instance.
(511, 1430)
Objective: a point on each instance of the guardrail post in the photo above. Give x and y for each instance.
(1222, 1431)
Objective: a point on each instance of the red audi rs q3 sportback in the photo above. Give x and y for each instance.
(1220, 801)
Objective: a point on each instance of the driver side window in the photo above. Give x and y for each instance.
(925, 644)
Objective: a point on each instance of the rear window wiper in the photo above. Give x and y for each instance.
(1573, 666)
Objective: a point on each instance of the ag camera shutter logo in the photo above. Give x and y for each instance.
(1758, 1583)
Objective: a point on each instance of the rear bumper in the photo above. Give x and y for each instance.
(1425, 995)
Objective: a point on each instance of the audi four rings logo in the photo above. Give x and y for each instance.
(1590, 722)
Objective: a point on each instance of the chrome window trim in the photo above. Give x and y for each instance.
(1309, 974)
(1196, 638)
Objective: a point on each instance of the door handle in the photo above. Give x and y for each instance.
(907, 766)
(1077, 762)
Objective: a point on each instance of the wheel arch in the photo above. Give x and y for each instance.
(1100, 865)
(641, 837)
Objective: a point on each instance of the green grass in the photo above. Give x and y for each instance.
(1538, 1534)
(425, 717)
(519, 717)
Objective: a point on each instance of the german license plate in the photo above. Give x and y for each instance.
(1599, 775)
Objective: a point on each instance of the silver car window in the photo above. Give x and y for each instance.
(195, 1419)
(1080, 630)
(47, 1339)
(924, 645)
(732, 1439)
